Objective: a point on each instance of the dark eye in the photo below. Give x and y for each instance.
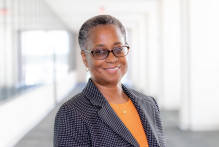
(99, 51)
(118, 50)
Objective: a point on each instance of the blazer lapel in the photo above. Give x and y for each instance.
(107, 114)
(109, 117)
(146, 113)
(147, 124)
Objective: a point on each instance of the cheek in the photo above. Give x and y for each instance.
(93, 64)
(125, 64)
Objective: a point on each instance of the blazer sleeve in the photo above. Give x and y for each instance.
(159, 126)
(69, 129)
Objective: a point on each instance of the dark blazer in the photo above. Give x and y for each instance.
(88, 120)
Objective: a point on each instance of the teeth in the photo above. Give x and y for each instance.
(114, 68)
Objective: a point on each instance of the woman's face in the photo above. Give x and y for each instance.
(107, 71)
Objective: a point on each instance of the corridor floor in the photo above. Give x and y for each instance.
(42, 134)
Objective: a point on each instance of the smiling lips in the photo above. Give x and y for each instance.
(112, 69)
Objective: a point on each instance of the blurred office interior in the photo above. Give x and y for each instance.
(173, 56)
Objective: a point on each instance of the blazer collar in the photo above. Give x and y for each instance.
(93, 94)
(107, 114)
(147, 116)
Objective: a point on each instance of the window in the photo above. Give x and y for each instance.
(44, 57)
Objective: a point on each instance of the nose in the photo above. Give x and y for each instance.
(111, 58)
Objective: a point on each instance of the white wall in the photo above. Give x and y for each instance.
(190, 63)
(171, 57)
(200, 109)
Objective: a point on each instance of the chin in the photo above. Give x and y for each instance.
(113, 80)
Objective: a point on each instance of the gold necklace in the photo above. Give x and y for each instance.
(124, 111)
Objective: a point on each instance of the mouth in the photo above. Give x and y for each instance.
(112, 69)
(115, 68)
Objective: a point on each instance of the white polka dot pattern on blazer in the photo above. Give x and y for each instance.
(88, 120)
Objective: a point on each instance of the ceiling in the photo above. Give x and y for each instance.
(74, 12)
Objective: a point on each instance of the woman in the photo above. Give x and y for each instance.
(106, 113)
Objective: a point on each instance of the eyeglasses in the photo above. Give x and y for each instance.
(102, 53)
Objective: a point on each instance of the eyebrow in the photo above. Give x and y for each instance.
(101, 45)
(117, 43)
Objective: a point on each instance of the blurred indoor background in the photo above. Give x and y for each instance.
(174, 57)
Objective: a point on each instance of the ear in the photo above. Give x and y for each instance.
(84, 58)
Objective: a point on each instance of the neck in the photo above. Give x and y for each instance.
(113, 93)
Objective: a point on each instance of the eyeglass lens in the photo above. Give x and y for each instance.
(103, 53)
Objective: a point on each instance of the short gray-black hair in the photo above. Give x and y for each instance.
(95, 21)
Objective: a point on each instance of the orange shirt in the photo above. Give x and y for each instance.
(129, 116)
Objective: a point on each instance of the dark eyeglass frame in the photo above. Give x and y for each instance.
(92, 52)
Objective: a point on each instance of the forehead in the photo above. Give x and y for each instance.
(101, 32)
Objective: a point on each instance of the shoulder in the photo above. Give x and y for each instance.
(72, 113)
(69, 108)
(78, 106)
(140, 95)
(70, 128)
(78, 100)
(143, 97)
